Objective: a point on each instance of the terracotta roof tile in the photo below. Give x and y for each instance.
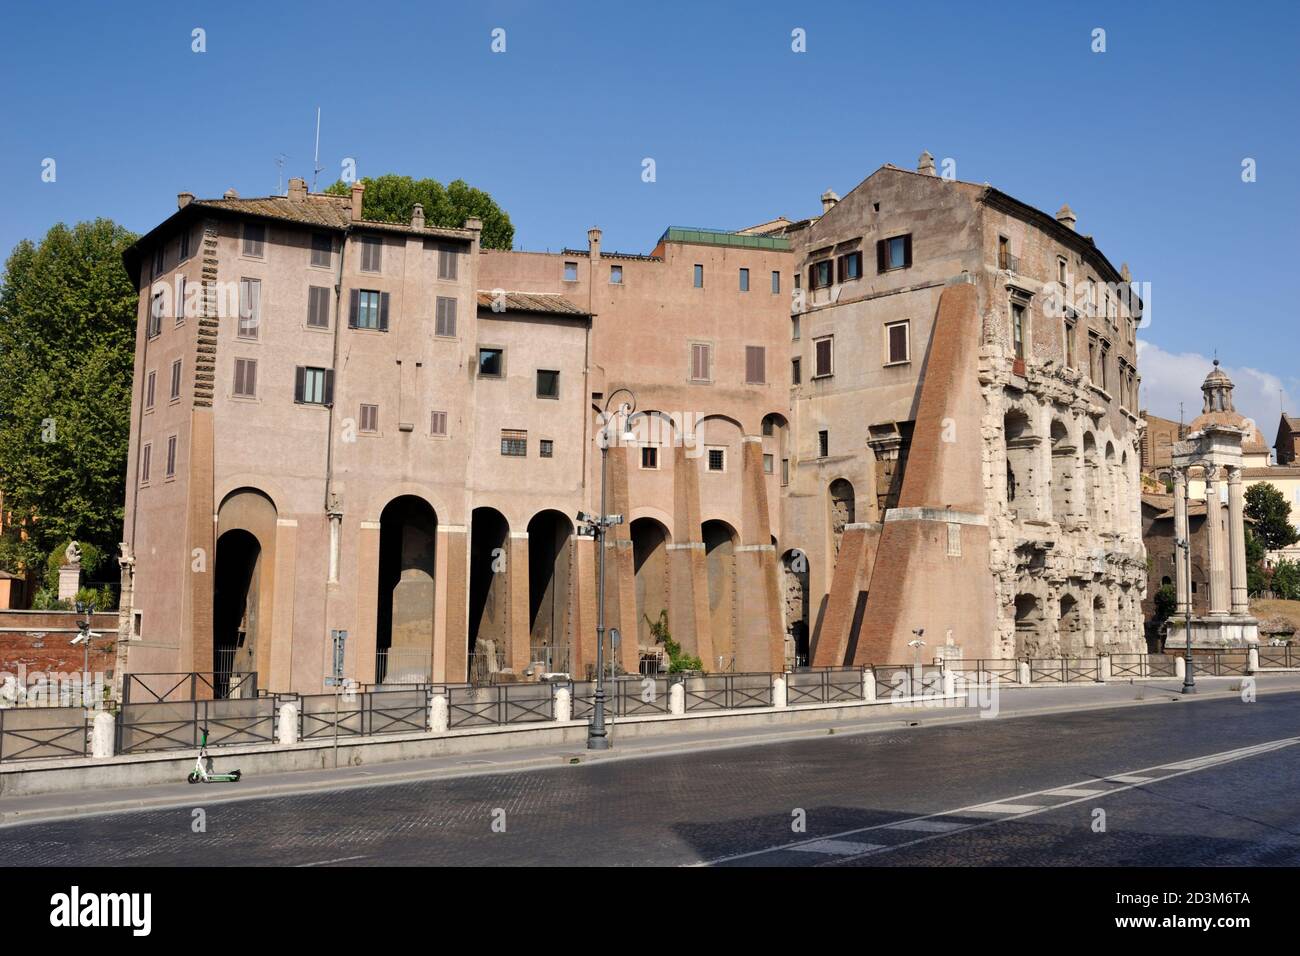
(551, 303)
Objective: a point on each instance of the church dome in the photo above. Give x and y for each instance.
(1217, 409)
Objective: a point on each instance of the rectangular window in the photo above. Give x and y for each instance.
(769, 464)
(254, 239)
(1092, 358)
(699, 276)
(744, 280)
(570, 272)
(615, 275)
(755, 365)
(796, 371)
(548, 383)
(898, 345)
(776, 283)
(717, 459)
(368, 310)
(318, 307)
(823, 443)
(1004, 253)
(821, 274)
(445, 320)
(785, 471)
(156, 306)
(491, 363)
(313, 386)
(250, 308)
(185, 244)
(322, 249)
(894, 253)
(145, 454)
(149, 389)
(794, 328)
(546, 448)
(176, 380)
(1105, 362)
(824, 357)
(369, 419)
(245, 378)
(159, 260)
(372, 254)
(171, 457)
(701, 362)
(650, 458)
(448, 264)
(1018, 329)
(438, 424)
(850, 266)
(180, 300)
(514, 443)
(1069, 344)
(1062, 271)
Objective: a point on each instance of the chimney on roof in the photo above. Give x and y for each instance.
(829, 199)
(184, 199)
(298, 189)
(474, 224)
(1066, 217)
(1125, 273)
(358, 191)
(230, 194)
(593, 243)
(417, 216)
(925, 165)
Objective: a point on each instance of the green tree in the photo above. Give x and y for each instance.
(1166, 601)
(67, 349)
(1286, 580)
(1267, 509)
(1256, 573)
(390, 198)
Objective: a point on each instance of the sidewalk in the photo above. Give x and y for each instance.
(1011, 703)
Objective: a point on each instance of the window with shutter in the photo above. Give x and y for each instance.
(176, 380)
(438, 424)
(245, 378)
(149, 390)
(445, 319)
(548, 383)
(171, 457)
(145, 454)
(318, 307)
(896, 343)
(322, 249)
(796, 371)
(254, 239)
(367, 306)
(372, 248)
(313, 386)
(180, 300)
(824, 363)
(369, 418)
(250, 308)
(185, 244)
(755, 365)
(447, 264)
(701, 362)
(156, 306)
(383, 311)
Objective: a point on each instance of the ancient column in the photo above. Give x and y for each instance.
(1215, 541)
(1237, 542)
(1181, 534)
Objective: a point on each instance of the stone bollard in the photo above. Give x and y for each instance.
(287, 734)
(949, 683)
(1180, 668)
(102, 735)
(1103, 667)
(1252, 660)
(563, 703)
(779, 693)
(868, 683)
(439, 715)
(1022, 672)
(677, 699)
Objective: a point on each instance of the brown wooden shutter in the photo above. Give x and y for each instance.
(755, 364)
(907, 251)
(299, 383)
(250, 376)
(383, 312)
(354, 305)
(239, 376)
(882, 262)
(328, 398)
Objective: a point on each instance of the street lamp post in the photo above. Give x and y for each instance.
(597, 526)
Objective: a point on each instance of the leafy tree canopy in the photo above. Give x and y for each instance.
(1267, 507)
(67, 348)
(390, 198)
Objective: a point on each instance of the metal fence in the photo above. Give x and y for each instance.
(823, 685)
(1284, 656)
(728, 691)
(403, 665)
(500, 704)
(624, 696)
(193, 685)
(1220, 663)
(381, 711)
(36, 733)
(907, 680)
(981, 673)
(175, 724)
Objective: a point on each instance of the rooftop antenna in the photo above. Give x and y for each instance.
(279, 176)
(316, 166)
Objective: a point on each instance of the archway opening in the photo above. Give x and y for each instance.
(404, 618)
(1062, 474)
(794, 581)
(1029, 623)
(843, 509)
(235, 601)
(650, 571)
(549, 589)
(1021, 446)
(1070, 626)
(720, 563)
(489, 593)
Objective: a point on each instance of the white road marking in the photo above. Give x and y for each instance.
(1007, 808)
(1073, 792)
(342, 859)
(941, 828)
(837, 847)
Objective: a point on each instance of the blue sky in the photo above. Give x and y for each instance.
(1145, 141)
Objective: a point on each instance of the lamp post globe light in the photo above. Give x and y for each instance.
(597, 526)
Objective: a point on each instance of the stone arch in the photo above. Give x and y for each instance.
(1063, 456)
(408, 547)
(775, 431)
(650, 542)
(843, 509)
(550, 589)
(1101, 623)
(794, 588)
(489, 593)
(1021, 445)
(1070, 626)
(720, 542)
(1029, 625)
(1092, 480)
(243, 585)
(1109, 497)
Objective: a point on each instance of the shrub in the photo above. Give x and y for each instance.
(677, 661)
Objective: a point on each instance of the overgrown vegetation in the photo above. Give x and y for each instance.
(390, 198)
(677, 661)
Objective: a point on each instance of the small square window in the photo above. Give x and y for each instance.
(650, 459)
(254, 239)
(514, 443)
(369, 418)
(322, 249)
(699, 276)
(717, 459)
(491, 363)
(744, 280)
(570, 272)
(546, 448)
(615, 275)
(548, 383)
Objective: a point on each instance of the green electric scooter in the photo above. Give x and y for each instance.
(203, 767)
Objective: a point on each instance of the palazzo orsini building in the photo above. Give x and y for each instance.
(916, 410)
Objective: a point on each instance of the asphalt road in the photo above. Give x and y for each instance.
(1207, 783)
